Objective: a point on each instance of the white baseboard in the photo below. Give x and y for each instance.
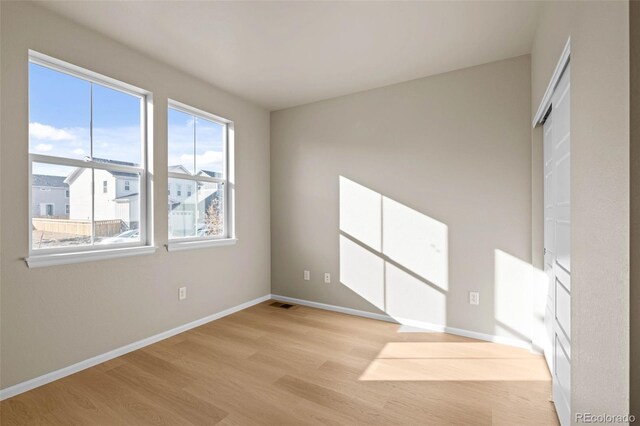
(82, 365)
(413, 323)
(334, 308)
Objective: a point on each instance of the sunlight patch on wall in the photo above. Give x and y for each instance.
(393, 256)
(416, 241)
(513, 282)
(362, 271)
(361, 213)
(410, 299)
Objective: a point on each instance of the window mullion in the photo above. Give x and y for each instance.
(93, 170)
(93, 205)
(195, 122)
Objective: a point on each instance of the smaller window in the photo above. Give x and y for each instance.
(104, 186)
(67, 194)
(126, 185)
(197, 159)
(67, 209)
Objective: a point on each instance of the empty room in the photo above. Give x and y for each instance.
(319, 212)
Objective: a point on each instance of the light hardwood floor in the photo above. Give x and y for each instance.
(271, 366)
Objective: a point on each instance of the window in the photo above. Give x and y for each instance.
(47, 209)
(127, 186)
(198, 148)
(85, 130)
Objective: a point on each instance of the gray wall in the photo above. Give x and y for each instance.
(454, 147)
(53, 317)
(599, 190)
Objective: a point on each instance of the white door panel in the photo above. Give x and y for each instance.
(563, 308)
(549, 238)
(557, 244)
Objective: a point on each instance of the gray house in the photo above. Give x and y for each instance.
(49, 196)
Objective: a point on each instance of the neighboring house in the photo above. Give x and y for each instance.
(49, 196)
(188, 202)
(117, 195)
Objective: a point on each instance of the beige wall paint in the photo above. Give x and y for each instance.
(454, 147)
(599, 189)
(53, 317)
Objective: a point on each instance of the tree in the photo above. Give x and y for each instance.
(214, 217)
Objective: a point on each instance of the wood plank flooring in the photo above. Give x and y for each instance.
(272, 366)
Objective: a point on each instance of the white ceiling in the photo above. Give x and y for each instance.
(281, 54)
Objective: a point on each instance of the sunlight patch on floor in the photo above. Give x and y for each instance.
(455, 361)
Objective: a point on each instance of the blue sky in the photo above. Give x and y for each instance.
(60, 119)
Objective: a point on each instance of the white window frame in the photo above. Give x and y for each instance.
(228, 236)
(75, 254)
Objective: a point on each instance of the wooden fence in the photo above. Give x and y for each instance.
(104, 228)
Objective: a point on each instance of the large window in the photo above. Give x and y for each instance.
(87, 159)
(198, 171)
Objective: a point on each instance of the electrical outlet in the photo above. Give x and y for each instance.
(327, 278)
(182, 293)
(307, 275)
(474, 298)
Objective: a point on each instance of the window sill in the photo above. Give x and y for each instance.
(189, 245)
(41, 260)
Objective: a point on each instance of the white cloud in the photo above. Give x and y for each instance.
(78, 151)
(46, 132)
(203, 160)
(44, 147)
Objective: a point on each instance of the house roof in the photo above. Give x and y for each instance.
(49, 181)
(178, 169)
(126, 197)
(79, 170)
(210, 173)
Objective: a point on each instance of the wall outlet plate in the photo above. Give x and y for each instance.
(327, 278)
(182, 293)
(307, 275)
(474, 298)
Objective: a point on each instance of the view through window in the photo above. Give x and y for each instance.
(86, 146)
(197, 174)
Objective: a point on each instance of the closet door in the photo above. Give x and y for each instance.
(549, 241)
(561, 258)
